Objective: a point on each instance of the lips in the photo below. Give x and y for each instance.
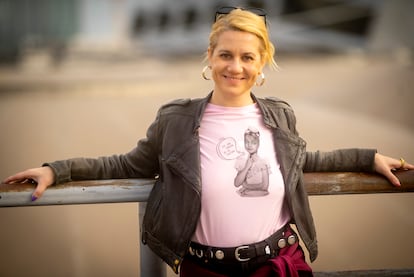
(233, 78)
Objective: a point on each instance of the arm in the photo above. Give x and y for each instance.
(350, 160)
(141, 162)
(241, 175)
(355, 160)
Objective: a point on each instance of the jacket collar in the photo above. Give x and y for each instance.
(267, 119)
(200, 111)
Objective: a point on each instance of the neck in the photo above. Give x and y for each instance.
(237, 101)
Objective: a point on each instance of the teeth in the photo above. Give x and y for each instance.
(234, 78)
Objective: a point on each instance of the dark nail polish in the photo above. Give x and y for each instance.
(34, 198)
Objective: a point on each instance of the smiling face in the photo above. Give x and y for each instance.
(235, 63)
(251, 143)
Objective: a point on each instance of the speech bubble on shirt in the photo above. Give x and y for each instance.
(227, 149)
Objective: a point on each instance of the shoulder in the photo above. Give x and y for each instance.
(177, 104)
(181, 106)
(275, 102)
(277, 112)
(275, 105)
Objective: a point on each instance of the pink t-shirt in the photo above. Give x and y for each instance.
(242, 197)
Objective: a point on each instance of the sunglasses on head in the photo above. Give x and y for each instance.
(226, 10)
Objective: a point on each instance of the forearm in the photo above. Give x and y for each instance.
(87, 169)
(352, 160)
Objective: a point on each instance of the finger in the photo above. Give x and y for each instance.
(11, 179)
(40, 189)
(392, 178)
(18, 178)
(407, 166)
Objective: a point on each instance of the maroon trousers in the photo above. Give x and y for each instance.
(289, 263)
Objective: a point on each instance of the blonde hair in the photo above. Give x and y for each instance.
(245, 21)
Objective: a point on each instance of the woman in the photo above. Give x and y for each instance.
(195, 220)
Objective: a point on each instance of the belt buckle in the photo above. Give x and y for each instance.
(237, 254)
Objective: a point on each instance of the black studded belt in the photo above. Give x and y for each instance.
(269, 247)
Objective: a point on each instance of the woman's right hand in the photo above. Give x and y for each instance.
(43, 176)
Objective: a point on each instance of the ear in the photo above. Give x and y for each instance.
(209, 54)
(262, 64)
(260, 69)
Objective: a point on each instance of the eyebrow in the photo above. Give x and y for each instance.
(228, 51)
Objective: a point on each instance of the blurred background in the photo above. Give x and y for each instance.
(86, 77)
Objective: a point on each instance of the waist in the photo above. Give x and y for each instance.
(243, 257)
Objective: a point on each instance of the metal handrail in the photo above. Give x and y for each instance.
(137, 190)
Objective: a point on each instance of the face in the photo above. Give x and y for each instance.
(251, 143)
(235, 63)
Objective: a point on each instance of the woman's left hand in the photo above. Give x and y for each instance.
(385, 165)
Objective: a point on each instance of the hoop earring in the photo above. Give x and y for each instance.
(260, 80)
(203, 73)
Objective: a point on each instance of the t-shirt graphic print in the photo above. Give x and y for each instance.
(252, 177)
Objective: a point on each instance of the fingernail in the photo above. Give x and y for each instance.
(34, 198)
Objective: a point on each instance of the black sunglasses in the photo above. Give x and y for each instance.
(227, 10)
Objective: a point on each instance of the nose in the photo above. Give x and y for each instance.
(235, 66)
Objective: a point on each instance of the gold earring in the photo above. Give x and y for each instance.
(203, 73)
(260, 80)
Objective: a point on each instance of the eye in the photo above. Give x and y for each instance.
(225, 56)
(248, 58)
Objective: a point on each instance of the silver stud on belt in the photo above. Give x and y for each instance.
(283, 242)
(291, 239)
(219, 255)
(200, 253)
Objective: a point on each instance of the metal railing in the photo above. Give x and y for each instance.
(137, 190)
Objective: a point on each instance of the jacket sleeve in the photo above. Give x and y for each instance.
(140, 162)
(346, 160)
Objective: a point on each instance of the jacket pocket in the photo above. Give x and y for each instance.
(153, 213)
(180, 169)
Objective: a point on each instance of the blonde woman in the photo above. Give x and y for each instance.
(195, 221)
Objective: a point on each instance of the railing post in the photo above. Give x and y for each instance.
(151, 265)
